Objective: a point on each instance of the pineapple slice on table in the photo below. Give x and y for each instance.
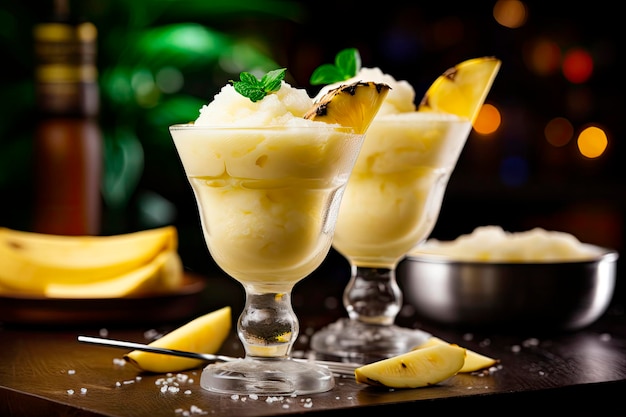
(352, 105)
(462, 89)
(417, 368)
(205, 334)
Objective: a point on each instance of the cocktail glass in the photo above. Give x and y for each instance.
(268, 199)
(391, 204)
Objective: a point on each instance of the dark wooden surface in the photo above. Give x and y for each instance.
(581, 373)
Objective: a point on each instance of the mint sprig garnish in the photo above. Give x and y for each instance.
(347, 64)
(255, 89)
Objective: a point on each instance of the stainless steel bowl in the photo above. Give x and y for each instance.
(561, 296)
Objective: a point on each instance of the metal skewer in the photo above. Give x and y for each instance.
(339, 368)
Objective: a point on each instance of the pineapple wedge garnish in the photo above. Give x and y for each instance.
(351, 105)
(462, 89)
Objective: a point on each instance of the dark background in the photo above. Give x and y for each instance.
(559, 189)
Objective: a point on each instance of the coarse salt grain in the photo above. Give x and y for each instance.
(83, 390)
(70, 392)
(71, 372)
(187, 392)
(119, 362)
(254, 396)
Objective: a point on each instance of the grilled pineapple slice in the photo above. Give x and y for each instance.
(417, 368)
(462, 89)
(205, 334)
(351, 105)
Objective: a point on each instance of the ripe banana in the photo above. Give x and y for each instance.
(165, 272)
(30, 262)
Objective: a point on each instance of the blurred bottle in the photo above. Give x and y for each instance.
(68, 140)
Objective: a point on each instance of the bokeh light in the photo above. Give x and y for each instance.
(542, 56)
(592, 142)
(510, 13)
(577, 65)
(559, 131)
(488, 120)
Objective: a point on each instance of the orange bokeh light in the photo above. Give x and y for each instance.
(488, 120)
(558, 131)
(592, 142)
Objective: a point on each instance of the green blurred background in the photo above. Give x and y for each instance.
(160, 60)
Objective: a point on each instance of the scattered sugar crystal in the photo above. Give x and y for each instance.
(187, 392)
(285, 406)
(103, 332)
(119, 362)
(254, 396)
(150, 334)
(138, 378)
(164, 388)
(234, 397)
(182, 377)
(308, 405)
(71, 372)
(530, 342)
(83, 390)
(118, 384)
(70, 392)
(197, 410)
(173, 389)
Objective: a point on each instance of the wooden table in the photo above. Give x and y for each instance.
(46, 372)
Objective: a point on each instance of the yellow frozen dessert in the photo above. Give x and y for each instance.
(394, 195)
(393, 198)
(264, 176)
(262, 192)
(268, 167)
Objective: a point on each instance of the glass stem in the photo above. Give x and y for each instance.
(268, 326)
(373, 296)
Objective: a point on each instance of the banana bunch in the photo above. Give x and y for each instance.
(89, 266)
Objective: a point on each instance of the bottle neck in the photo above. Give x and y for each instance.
(66, 75)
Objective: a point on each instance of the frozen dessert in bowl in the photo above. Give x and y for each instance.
(530, 281)
(268, 173)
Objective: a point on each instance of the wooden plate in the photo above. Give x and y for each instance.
(180, 304)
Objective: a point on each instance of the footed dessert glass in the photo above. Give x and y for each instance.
(268, 200)
(390, 205)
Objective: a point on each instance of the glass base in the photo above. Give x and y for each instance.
(352, 340)
(269, 376)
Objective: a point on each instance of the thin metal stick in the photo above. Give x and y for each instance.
(340, 368)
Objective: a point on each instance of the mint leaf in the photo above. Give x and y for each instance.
(251, 87)
(347, 64)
